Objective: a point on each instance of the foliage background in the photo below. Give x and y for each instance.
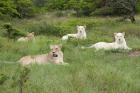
(29, 8)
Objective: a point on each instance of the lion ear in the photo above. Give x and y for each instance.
(123, 33)
(115, 34)
(77, 26)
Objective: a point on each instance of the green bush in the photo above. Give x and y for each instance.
(3, 78)
(47, 29)
(25, 8)
(11, 32)
(103, 11)
(138, 6)
(7, 7)
(17, 8)
(29, 8)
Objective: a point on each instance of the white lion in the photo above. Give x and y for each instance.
(119, 43)
(81, 34)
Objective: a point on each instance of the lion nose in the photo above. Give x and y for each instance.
(53, 52)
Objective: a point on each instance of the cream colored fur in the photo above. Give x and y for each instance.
(29, 37)
(81, 34)
(119, 43)
(54, 56)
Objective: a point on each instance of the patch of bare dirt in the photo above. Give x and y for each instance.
(134, 53)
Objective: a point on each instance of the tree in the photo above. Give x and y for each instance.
(39, 3)
(56, 4)
(82, 7)
(10, 32)
(7, 7)
(138, 6)
(123, 7)
(25, 8)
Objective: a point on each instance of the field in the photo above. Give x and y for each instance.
(89, 71)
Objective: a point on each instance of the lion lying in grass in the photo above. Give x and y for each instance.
(119, 43)
(81, 34)
(54, 56)
(29, 37)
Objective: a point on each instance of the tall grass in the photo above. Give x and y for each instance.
(89, 71)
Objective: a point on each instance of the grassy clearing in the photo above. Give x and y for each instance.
(89, 71)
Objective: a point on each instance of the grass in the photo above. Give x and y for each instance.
(89, 71)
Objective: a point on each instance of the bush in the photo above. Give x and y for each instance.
(11, 32)
(47, 29)
(103, 11)
(7, 7)
(25, 8)
(17, 8)
(138, 6)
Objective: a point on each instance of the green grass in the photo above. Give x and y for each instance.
(89, 71)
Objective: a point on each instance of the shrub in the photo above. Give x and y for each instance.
(138, 6)
(7, 7)
(11, 32)
(103, 11)
(3, 78)
(47, 29)
(25, 8)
